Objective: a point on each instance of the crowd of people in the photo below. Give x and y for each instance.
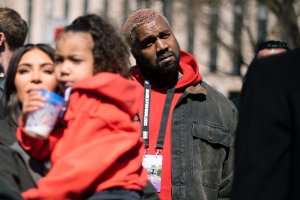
(154, 130)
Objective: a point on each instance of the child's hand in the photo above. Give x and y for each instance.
(32, 102)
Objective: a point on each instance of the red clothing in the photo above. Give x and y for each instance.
(191, 76)
(98, 148)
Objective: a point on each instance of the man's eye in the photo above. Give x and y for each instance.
(148, 44)
(164, 35)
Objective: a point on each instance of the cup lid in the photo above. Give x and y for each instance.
(52, 97)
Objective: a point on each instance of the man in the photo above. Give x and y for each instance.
(13, 32)
(188, 127)
(268, 135)
(271, 47)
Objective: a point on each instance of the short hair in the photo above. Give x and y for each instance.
(14, 28)
(11, 102)
(110, 52)
(139, 18)
(272, 44)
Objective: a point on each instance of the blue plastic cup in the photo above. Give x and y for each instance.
(41, 122)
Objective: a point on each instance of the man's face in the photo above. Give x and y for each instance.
(156, 49)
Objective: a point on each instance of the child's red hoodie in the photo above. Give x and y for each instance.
(98, 148)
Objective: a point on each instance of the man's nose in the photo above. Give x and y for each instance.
(161, 45)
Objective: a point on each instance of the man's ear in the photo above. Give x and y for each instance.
(2, 38)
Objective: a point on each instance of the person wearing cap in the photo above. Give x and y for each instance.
(271, 47)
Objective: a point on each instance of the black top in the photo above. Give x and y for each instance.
(7, 132)
(267, 143)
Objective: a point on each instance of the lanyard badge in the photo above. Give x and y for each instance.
(153, 163)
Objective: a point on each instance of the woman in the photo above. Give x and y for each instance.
(31, 67)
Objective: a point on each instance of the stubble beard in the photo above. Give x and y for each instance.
(163, 75)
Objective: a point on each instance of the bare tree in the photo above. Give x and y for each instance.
(284, 10)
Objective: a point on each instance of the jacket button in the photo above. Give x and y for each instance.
(210, 136)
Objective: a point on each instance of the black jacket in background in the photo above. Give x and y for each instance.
(14, 176)
(17, 170)
(267, 161)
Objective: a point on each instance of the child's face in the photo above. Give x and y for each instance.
(74, 58)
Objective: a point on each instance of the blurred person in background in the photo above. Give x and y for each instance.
(13, 33)
(265, 49)
(271, 47)
(267, 158)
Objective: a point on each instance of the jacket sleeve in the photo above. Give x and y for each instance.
(89, 157)
(14, 176)
(37, 148)
(228, 171)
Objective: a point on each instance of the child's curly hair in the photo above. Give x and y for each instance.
(110, 52)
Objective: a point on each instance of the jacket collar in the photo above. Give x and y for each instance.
(198, 89)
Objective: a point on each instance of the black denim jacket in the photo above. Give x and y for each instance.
(203, 127)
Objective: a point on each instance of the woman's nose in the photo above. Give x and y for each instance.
(36, 78)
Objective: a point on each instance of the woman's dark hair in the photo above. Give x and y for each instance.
(110, 52)
(12, 108)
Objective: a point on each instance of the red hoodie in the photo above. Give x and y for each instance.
(98, 148)
(191, 76)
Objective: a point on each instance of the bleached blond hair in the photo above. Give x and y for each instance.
(139, 18)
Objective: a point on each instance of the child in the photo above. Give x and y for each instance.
(97, 151)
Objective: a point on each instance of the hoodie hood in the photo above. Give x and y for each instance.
(111, 87)
(188, 66)
(190, 70)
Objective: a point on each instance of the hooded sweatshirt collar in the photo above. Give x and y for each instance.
(188, 67)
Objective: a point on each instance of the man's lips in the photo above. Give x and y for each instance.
(166, 57)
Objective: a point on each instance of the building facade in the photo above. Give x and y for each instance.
(220, 33)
